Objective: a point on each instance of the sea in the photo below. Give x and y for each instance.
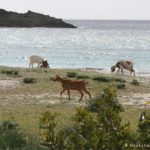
(96, 44)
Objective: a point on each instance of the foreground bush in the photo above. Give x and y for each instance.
(97, 126)
(11, 136)
(144, 129)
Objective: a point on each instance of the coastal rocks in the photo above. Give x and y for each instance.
(30, 19)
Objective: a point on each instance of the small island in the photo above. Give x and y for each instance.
(30, 19)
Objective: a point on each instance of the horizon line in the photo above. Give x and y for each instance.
(106, 19)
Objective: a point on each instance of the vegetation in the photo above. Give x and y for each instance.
(144, 129)
(11, 136)
(135, 82)
(108, 79)
(120, 86)
(26, 102)
(96, 126)
(102, 79)
(119, 80)
(72, 74)
(10, 72)
(29, 80)
(83, 77)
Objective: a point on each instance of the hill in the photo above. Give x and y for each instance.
(30, 19)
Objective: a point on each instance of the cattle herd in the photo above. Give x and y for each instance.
(79, 85)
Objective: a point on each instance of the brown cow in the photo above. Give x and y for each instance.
(68, 85)
(128, 65)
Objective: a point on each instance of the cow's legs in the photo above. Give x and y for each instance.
(69, 94)
(118, 71)
(81, 96)
(88, 93)
(62, 93)
(122, 70)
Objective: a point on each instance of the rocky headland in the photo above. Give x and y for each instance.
(30, 19)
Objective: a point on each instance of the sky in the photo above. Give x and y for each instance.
(83, 9)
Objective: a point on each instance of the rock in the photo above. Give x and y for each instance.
(30, 19)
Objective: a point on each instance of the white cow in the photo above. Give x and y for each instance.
(34, 59)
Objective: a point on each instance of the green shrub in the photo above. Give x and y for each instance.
(135, 82)
(83, 77)
(144, 129)
(48, 130)
(29, 80)
(10, 72)
(72, 74)
(97, 126)
(121, 86)
(11, 136)
(119, 80)
(102, 79)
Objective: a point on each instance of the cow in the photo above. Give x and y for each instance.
(68, 85)
(34, 59)
(127, 65)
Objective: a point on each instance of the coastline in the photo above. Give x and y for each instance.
(107, 71)
(94, 69)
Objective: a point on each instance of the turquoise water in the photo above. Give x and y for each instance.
(94, 44)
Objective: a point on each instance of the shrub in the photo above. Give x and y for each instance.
(144, 129)
(72, 74)
(48, 130)
(121, 86)
(102, 79)
(96, 126)
(135, 82)
(29, 80)
(10, 72)
(11, 136)
(83, 77)
(119, 80)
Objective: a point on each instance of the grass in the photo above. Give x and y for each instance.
(26, 103)
(135, 82)
(102, 79)
(120, 86)
(10, 72)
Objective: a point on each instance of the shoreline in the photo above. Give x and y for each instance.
(100, 70)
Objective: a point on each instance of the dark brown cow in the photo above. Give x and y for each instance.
(127, 65)
(68, 85)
